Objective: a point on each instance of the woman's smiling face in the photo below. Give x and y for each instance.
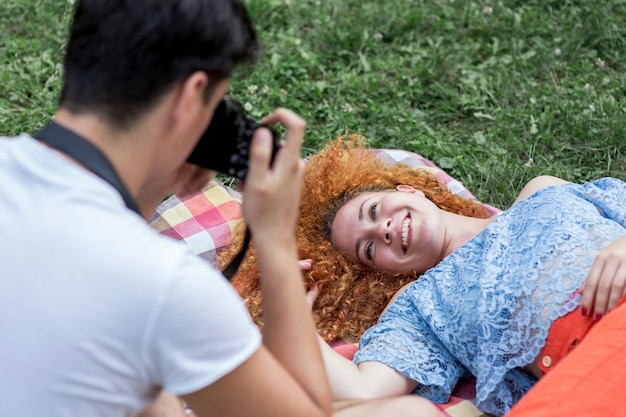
(396, 230)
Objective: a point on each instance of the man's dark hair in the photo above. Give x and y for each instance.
(123, 55)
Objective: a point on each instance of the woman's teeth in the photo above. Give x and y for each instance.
(405, 233)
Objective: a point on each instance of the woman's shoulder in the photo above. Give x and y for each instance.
(545, 181)
(538, 183)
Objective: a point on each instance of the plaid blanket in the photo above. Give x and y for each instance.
(207, 220)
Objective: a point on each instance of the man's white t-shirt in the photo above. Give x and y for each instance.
(97, 310)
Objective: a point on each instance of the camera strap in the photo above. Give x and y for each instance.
(88, 155)
(232, 267)
(95, 161)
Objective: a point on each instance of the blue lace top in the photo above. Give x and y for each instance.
(485, 310)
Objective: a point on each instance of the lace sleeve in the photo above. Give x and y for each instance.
(609, 196)
(404, 342)
(513, 386)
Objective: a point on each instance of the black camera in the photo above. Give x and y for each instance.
(225, 145)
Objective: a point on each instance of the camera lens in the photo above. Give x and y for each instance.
(224, 145)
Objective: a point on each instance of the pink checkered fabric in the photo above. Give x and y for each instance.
(414, 160)
(205, 221)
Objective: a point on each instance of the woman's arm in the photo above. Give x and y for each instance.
(368, 380)
(537, 184)
(606, 282)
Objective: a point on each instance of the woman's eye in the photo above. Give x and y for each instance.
(373, 211)
(368, 251)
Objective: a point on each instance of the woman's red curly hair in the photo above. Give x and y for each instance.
(351, 296)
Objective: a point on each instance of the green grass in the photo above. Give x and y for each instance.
(31, 45)
(495, 92)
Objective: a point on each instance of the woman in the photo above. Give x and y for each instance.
(493, 290)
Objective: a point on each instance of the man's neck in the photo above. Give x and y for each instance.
(120, 147)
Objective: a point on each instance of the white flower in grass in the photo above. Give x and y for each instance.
(487, 10)
(265, 89)
(533, 126)
(557, 51)
(252, 88)
(599, 63)
(297, 41)
(378, 36)
(247, 106)
(347, 108)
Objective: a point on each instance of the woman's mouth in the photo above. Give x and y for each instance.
(405, 233)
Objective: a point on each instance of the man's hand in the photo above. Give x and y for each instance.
(272, 194)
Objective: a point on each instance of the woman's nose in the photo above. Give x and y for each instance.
(385, 230)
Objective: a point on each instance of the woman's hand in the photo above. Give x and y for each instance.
(606, 282)
(311, 295)
(305, 264)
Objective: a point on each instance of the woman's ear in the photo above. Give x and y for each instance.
(403, 188)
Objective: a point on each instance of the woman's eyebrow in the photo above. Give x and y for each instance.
(361, 209)
(357, 244)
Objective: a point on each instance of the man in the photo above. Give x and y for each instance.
(98, 313)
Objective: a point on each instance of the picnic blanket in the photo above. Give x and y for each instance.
(207, 220)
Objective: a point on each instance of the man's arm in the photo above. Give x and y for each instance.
(166, 405)
(289, 331)
(286, 376)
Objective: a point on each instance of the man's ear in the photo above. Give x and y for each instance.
(191, 100)
(408, 189)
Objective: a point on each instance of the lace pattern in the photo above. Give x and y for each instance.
(486, 309)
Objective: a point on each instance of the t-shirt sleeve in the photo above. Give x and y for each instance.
(404, 342)
(201, 330)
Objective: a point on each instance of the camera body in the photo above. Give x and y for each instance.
(225, 145)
